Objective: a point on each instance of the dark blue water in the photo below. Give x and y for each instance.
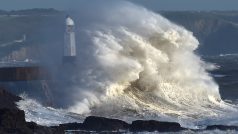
(226, 75)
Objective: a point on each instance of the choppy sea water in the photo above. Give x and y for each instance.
(226, 75)
(142, 67)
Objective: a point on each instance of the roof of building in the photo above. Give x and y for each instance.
(69, 21)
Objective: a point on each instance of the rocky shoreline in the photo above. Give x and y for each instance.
(12, 120)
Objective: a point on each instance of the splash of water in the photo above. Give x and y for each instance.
(46, 116)
(145, 62)
(142, 66)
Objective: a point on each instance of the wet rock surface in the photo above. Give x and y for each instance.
(102, 124)
(7, 100)
(222, 127)
(151, 126)
(12, 120)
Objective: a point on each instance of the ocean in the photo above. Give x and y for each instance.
(142, 67)
(226, 75)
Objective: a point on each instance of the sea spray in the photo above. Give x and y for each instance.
(135, 64)
(47, 116)
(141, 55)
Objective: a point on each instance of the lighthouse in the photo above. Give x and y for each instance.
(69, 42)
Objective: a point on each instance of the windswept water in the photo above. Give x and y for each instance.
(139, 65)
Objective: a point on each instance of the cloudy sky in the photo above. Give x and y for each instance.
(152, 4)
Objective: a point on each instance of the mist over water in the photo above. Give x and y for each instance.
(135, 64)
(136, 51)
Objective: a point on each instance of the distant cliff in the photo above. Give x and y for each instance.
(34, 11)
(217, 31)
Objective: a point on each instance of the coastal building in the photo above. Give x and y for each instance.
(69, 41)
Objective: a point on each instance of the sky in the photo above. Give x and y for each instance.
(151, 4)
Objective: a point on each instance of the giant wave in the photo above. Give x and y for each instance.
(142, 66)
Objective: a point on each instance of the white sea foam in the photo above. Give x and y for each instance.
(46, 116)
(134, 45)
(142, 66)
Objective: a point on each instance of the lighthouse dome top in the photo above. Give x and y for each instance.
(69, 21)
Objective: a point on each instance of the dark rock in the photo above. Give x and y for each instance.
(37, 129)
(103, 124)
(221, 127)
(151, 126)
(8, 100)
(98, 124)
(11, 118)
(13, 121)
(69, 126)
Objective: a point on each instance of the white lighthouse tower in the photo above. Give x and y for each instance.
(69, 41)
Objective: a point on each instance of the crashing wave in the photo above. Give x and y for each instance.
(143, 56)
(142, 66)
